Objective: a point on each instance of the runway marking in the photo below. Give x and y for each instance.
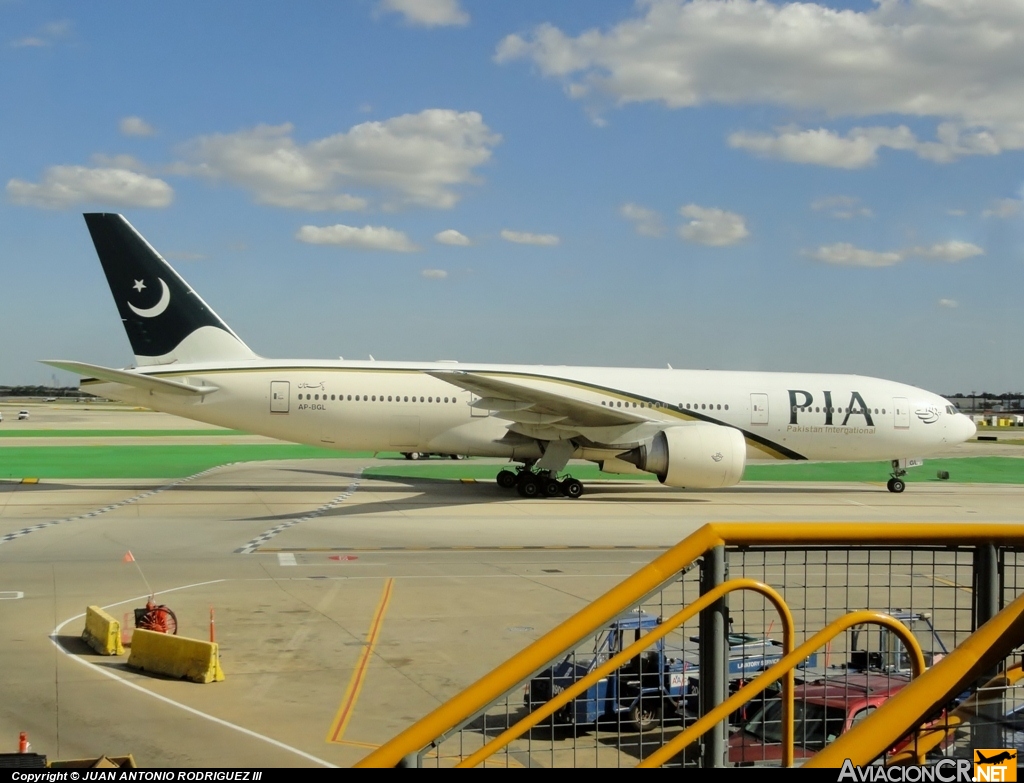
(11, 595)
(355, 684)
(262, 538)
(95, 513)
(286, 559)
(220, 721)
(949, 582)
(354, 744)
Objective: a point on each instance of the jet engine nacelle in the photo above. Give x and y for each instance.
(698, 455)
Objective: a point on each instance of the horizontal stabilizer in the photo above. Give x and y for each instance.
(138, 380)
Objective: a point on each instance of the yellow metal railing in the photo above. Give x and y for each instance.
(786, 666)
(930, 693)
(666, 568)
(962, 716)
(666, 627)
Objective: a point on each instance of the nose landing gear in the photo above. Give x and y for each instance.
(896, 483)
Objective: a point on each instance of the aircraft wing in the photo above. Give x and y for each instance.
(534, 399)
(138, 380)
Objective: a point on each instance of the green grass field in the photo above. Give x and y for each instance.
(973, 470)
(178, 460)
(163, 461)
(13, 433)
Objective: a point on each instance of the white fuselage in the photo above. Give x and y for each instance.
(397, 406)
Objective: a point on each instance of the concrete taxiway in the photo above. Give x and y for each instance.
(346, 606)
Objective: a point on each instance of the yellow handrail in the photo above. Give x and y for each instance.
(665, 628)
(648, 579)
(930, 692)
(553, 644)
(930, 739)
(788, 663)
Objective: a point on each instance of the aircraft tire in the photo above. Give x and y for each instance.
(528, 486)
(506, 479)
(552, 487)
(572, 488)
(896, 485)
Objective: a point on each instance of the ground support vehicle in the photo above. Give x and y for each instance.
(640, 692)
(823, 710)
(428, 454)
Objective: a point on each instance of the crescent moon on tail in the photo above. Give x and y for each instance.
(159, 307)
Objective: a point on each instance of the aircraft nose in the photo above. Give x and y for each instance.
(965, 427)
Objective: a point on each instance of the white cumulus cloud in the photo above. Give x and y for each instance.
(845, 254)
(525, 238)
(452, 237)
(952, 251)
(411, 160)
(959, 63)
(950, 303)
(646, 221)
(65, 186)
(711, 226)
(434, 274)
(135, 126)
(821, 147)
(428, 13)
(365, 238)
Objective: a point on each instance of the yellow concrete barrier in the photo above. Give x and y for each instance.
(102, 632)
(175, 656)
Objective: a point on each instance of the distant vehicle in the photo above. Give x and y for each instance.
(49, 399)
(640, 691)
(1, 417)
(823, 710)
(428, 455)
(877, 648)
(22, 415)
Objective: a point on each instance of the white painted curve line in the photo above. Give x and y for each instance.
(264, 537)
(127, 502)
(213, 719)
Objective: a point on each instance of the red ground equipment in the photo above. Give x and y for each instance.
(156, 618)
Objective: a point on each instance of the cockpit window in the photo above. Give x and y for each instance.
(950, 410)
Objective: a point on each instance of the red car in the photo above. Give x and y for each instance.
(823, 710)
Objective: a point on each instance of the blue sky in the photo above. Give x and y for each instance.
(829, 187)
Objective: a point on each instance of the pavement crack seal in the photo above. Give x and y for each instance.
(97, 512)
(264, 537)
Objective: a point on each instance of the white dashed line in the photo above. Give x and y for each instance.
(263, 538)
(135, 499)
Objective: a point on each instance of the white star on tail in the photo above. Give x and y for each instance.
(139, 285)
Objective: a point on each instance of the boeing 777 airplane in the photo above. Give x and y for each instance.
(690, 428)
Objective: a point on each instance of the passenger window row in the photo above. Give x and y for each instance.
(680, 406)
(375, 398)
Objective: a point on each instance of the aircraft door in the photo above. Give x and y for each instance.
(901, 413)
(758, 408)
(279, 396)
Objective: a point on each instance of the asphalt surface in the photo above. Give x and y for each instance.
(345, 607)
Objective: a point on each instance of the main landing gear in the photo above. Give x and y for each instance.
(539, 484)
(896, 483)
